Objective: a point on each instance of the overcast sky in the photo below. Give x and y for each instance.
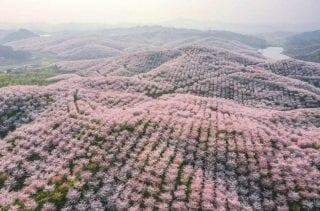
(155, 11)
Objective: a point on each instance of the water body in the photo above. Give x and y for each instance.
(274, 53)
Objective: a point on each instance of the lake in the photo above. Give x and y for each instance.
(274, 53)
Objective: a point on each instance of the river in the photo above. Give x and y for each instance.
(274, 53)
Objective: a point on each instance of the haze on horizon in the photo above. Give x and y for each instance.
(157, 11)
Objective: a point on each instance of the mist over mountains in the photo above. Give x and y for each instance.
(17, 35)
(245, 28)
(112, 42)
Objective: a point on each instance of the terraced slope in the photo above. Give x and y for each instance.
(214, 72)
(193, 128)
(127, 65)
(308, 72)
(96, 149)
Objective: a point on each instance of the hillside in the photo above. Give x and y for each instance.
(305, 46)
(245, 39)
(3, 33)
(277, 38)
(161, 119)
(178, 151)
(7, 53)
(113, 42)
(18, 35)
(308, 72)
(211, 72)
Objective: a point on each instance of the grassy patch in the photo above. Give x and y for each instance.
(20, 204)
(3, 178)
(58, 196)
(27, 78)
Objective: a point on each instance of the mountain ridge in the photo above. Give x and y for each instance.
(305, 46)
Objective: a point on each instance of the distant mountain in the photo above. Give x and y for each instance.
(245, 39)
(18, 35)
(305, 46)
(160, 34)
(113, 42)
(246, 28)
(4, 33)
(277, 38)
(7, 53)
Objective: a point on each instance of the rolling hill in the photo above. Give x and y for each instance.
(113, 42)
(17, 35)
(277, 38)
(136, 149)
(305, 46)
(172, 120)
(213, 72)
(8, 54)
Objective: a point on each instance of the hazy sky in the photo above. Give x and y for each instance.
(154, 11)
